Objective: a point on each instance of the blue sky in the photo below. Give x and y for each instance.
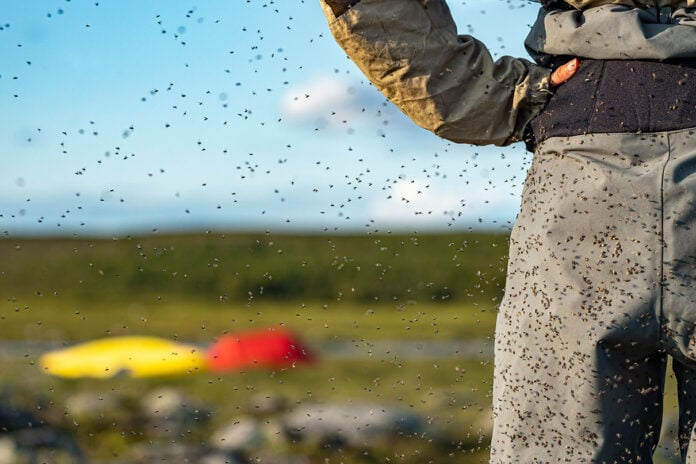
(124, 116)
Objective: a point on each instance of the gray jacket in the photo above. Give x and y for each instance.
(449, 83)
(616, 30)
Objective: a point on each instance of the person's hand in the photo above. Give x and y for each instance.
(564, 73)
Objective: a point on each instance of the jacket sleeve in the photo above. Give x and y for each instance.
(446, 83)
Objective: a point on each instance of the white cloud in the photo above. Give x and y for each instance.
(413, 201)
(335, 101)
(319, 97)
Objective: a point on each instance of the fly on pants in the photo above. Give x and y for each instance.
(600, 290)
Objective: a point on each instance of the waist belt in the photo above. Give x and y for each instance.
(620, 96)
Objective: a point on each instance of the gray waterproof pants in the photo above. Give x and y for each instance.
(600, 291)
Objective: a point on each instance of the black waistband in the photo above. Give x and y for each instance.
(621, 96)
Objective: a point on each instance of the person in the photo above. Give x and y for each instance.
(600, 288)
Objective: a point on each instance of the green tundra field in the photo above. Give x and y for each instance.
(355, 293)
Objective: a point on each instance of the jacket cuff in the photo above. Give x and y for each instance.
(340, 6)
(531, 96)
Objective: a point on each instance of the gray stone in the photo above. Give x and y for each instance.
(351, 424)
(169, 412)
(146, 453)
(243, 433)
(266, 404)
(9, 454)
(219, 458)
(89, 406)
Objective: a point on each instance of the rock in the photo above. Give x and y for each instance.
(35, 445)
(147, 453)
(8, 451)
(25, 437)
(264, 404)
(243, 433)
(274, 432)
(15, 418)
(46, 440)
(268, 457)
(168, 401)
(169, 412)
(351, 424)
(219, 458)
(91, 406)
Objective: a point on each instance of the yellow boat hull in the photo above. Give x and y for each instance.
(135, 356)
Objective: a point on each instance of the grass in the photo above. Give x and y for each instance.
(463, 268)
(62, 320)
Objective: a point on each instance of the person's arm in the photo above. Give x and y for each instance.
(445, 82)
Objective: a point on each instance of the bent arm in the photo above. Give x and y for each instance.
(446, 83)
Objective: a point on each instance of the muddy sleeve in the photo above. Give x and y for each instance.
(445, 82)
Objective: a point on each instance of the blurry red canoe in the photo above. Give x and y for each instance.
(264, 348)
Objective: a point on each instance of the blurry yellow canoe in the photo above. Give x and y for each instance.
(134, 356)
